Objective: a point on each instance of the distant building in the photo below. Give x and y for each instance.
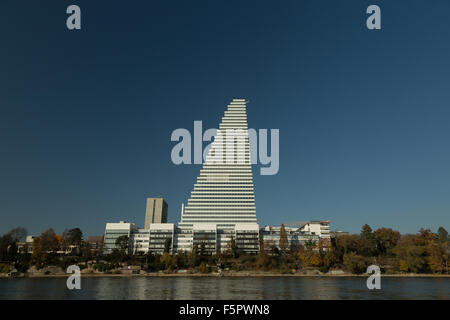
(320, 228)
(27, 246)
(95, 243)
(338, 233)
(156, 211)
(221, 206)
(140, 239)
(212, 237)
(222, 203)
(271, 237)
(203, 236)
(114, 231)
(159, 234)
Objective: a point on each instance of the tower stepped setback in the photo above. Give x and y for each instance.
(224, 191)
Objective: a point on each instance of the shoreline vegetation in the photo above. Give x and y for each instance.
(424, 254)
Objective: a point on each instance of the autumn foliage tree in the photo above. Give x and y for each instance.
(284, 243)
(386, 240)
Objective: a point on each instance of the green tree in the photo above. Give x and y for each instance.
(18, 234)
(345, 244)
(355, 263)
(123, 242)
(233, 248)
(386, 239)
(72, 236)
(167, 245)
(192, 257)
(367, 242)
(310, 244)
(411, 257)
(202, 248)
(284, 243)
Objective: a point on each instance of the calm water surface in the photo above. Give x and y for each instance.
(225, 288)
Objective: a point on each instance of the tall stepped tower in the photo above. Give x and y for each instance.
(224, 192)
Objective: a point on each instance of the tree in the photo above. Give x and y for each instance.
(329, 260)
(123, 243)
(443, 234)
(48, 241)
(355, 263)
(262, 261)
(367, 242)
(5, 242)
(312, 258)
(44, 248)
(18, 234)
(72, 237)
(425, 237)
(438, 258)
(8, 243)
(166, 259)
(284, 243)
(345, 244)
(203, 248)
(411, 258)
(193, 258)
(167, 245)
(203, 268)
(386, 239)
(310, 244)
(233, 248)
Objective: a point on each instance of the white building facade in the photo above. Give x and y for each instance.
(320, 228)
(114, 231)
(221, 207)
(222, 204)
(271, 237)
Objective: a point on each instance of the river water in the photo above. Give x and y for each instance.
(227, 288)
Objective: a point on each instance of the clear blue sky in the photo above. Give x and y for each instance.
(86, 116)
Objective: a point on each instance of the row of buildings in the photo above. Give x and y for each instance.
(93, 243)
(248, 238)
(221, 206)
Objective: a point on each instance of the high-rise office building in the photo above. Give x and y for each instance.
(224, 191)
(222, 204)
(156, 212)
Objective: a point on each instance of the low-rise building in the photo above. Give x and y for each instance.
(159, 234)
(271, 237)
(114, 231)
(320, 228)
(338, 233)
(140, 239)
(210, 238)
(27, 246)
(95, 243)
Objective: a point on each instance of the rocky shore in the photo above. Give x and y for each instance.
(58, 272)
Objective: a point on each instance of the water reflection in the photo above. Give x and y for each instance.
(238, 288)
